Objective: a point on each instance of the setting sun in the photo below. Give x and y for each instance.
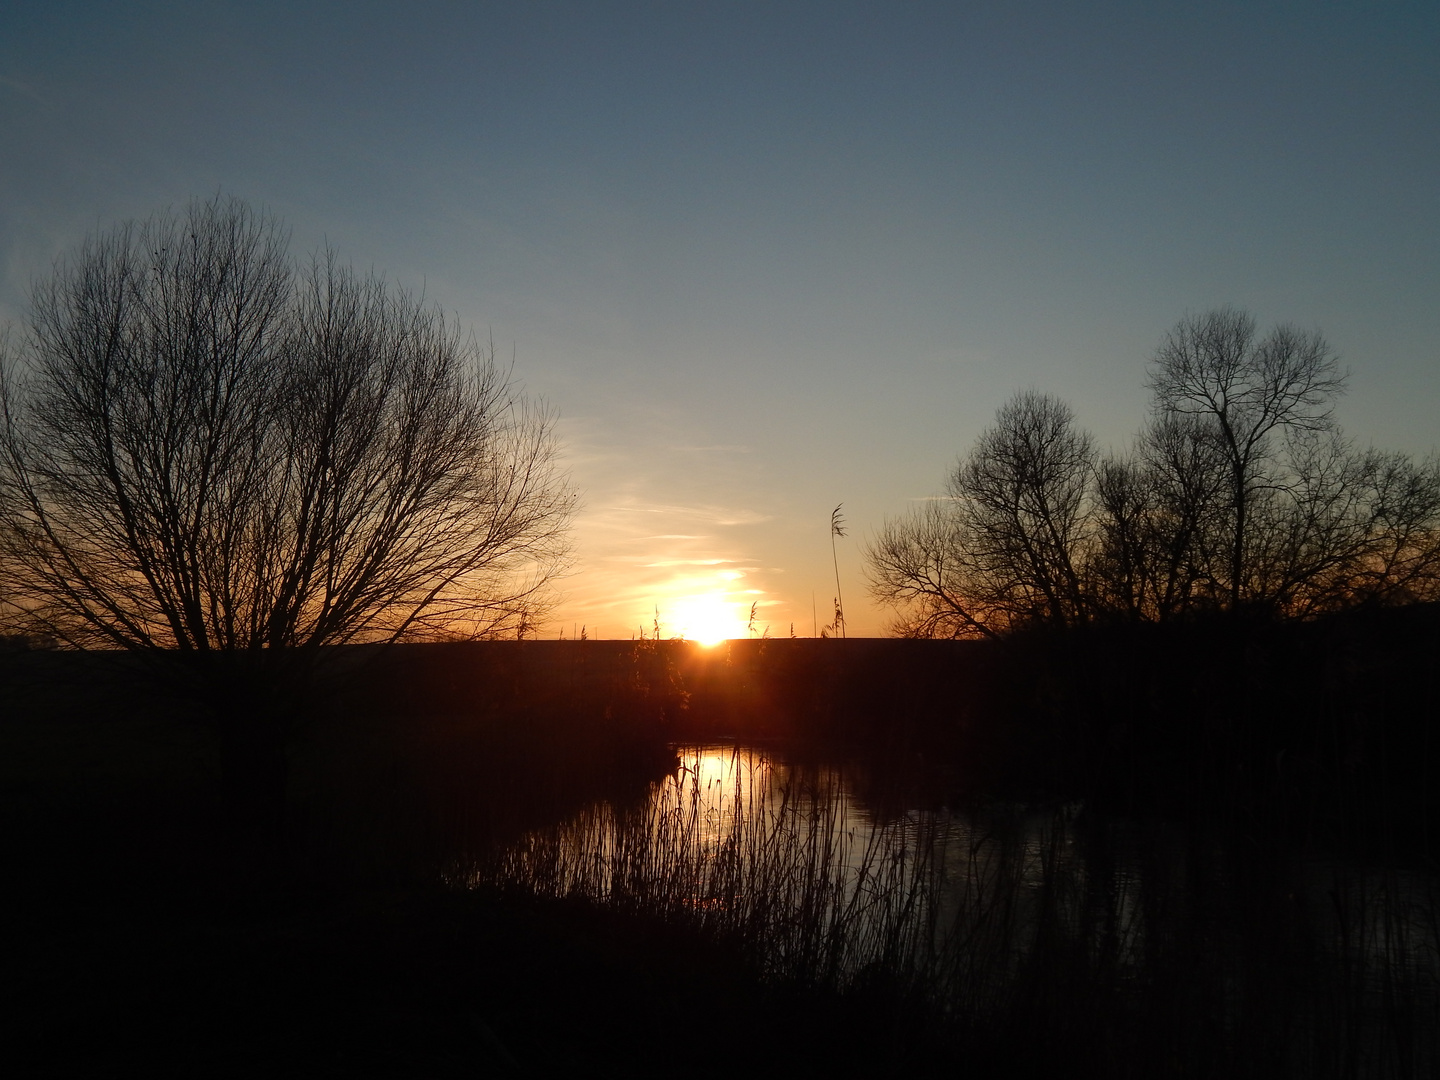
(708, 619)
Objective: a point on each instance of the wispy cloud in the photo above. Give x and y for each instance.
(644, 541)
(687, 562)
(715, 515)
(628, 568)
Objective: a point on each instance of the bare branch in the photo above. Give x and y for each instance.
(206, 452)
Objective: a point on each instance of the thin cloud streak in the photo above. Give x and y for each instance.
(631, 574)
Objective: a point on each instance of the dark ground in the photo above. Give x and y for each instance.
(408, 982)
(140, 936)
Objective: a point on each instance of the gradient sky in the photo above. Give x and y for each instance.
(767, 258)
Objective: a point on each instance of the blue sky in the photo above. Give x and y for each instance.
(768, 258)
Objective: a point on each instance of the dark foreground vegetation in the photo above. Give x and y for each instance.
(446, 891)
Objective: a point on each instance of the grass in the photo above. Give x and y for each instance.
(772, 868)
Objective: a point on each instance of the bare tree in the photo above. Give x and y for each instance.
(1158, 521)
(1351, 528)
(1122, 575)
(1250, 391)
(1241, 492)
(224, 464)
(1023, 497)
(1399, 559)
(1006, 548)
(920, 566)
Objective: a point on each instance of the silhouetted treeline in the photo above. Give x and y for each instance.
(1240, 494)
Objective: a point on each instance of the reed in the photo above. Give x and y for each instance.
(1011, 937)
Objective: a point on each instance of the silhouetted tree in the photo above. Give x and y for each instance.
(1352, 528)
(1240, 493)
(224, 463)
(919, 565)
(1022, 494)
(1250, 393)
(1005, 548)
(1158, 523)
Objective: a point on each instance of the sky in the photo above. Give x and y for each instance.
(765, 259)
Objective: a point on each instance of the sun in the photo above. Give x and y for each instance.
(708, 619)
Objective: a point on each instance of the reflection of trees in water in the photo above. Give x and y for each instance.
(1105, 930)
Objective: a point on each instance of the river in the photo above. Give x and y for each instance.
(1228, 943)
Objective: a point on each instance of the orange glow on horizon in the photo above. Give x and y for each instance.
(708, 619)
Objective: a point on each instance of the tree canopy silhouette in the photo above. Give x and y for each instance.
(1002, 547)
(224, 461)
(1241, 493)
(1245, 393)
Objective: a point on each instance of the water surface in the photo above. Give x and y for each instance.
(1220, 940)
